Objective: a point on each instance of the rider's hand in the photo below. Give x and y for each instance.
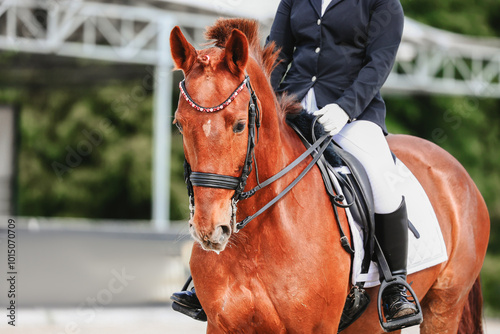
(332, 117)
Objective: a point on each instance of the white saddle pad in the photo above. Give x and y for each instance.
(427, 251)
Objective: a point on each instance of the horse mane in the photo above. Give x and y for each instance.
(221, 30)
(266, 57)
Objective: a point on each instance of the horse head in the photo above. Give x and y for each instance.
(214, 125)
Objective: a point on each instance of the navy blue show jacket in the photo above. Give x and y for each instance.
(346, 54)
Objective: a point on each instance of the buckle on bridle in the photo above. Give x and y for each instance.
(234, 208)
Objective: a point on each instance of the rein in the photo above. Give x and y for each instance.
(211, 180)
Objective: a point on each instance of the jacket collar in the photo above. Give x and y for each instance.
(333, 3)
(317, 5)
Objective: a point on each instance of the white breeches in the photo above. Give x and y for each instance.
(366, 141)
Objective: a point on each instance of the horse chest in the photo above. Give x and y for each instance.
(244, 305)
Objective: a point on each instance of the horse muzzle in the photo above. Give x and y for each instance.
(214, 239)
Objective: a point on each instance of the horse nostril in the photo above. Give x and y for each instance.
(226, 229)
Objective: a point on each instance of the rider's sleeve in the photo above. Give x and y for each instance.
(384, 37)
(281, 34)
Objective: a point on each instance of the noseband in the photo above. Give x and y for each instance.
(211, 180)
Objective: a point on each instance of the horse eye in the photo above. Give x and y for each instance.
(178, 125)
(239, 126)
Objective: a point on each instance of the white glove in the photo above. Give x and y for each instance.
(332, 117)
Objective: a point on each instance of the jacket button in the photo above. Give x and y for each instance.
(318, 22)
(317, 50)
(313, 78)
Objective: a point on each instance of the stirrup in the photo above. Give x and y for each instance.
(403, 322)
(356, 303)
(197, 314)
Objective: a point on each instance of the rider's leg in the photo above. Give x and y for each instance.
(366, 141)
(392, 233)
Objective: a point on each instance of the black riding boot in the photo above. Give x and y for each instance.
(392, 233)
(186, 298)
(186, 302)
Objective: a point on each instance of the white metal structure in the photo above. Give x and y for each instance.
(108, 32)
(429, 61)
(439, 62)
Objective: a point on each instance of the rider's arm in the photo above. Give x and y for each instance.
(384, 36)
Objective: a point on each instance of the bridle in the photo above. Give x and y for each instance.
(211, 180)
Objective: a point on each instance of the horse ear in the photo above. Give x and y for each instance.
(236, 52)
(183, 53)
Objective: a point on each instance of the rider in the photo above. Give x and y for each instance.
(339, 54)
(335, 56)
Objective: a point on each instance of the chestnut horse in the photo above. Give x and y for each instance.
(286, 271)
